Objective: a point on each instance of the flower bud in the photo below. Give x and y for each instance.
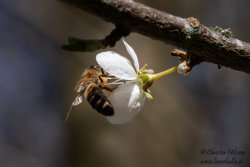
(182, 68)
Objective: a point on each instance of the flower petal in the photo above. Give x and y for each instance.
(127, 101)
(132, 54)
(116, 65)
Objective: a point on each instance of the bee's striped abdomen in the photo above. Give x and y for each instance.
(98, 100)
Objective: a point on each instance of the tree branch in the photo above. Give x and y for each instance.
(89, 45)
(201, 42)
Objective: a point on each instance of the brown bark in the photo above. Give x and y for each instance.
(201, 42)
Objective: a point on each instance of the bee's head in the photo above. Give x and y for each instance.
(96, 67)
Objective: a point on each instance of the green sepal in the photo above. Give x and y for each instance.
(148, 96)
(139, 81)
(143, 68)
(142, 79)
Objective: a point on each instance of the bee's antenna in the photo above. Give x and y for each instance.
(68, 114)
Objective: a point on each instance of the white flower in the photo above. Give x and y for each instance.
(128, 98)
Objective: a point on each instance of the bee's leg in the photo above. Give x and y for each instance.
(107, 87)
(105, 76)
(112, 77)
(108, 76)
(100, 78)
(102, 71)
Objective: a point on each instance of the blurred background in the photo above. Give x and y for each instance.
(207, 109)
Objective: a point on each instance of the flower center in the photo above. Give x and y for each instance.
(146, 77)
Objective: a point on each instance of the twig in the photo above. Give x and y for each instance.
(89, 45)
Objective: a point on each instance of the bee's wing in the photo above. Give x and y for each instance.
(116, 65)
(127, 101)
(80, 85)
(78, 100)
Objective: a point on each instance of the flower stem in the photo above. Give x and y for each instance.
(163, 73)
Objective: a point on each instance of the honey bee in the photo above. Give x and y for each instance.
(91, 84)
